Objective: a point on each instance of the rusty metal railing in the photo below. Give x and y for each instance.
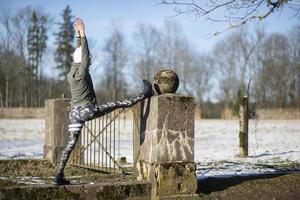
(101, 140)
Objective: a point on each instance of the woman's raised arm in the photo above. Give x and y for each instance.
(85, 53)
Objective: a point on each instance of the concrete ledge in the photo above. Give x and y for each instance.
(103, 191)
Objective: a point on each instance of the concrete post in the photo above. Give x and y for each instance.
(166, 150)
(56, 128)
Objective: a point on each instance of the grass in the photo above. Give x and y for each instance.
(41, 171)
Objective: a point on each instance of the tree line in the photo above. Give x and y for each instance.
(217, 78)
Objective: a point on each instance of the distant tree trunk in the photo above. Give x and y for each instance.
(6, 91)
(115, 78)
(243, 118)
(1, 99)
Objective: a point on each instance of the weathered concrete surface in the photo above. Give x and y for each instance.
(168, 179)
(56, 128)
(101, 191)
(169, 129)
(166, 151)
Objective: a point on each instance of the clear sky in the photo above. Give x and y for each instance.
(98, 15)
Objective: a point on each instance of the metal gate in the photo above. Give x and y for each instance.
(100, 141)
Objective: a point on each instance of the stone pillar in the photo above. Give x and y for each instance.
(166, 151)
(56, 128)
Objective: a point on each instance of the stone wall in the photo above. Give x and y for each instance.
(22, 112)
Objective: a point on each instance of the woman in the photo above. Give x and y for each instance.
(83, 102)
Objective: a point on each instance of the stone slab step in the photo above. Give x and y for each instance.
(178, 197)
(103, 191)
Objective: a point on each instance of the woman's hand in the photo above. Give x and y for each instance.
(77, 31)
(79, 25)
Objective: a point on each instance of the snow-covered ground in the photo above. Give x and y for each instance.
(21, 138)
(268, 139)
(271, 142)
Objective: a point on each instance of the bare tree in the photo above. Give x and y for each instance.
(273, 75)
(14, 57)
(236, 12)
(11, 63)
(21, 22)
(148, 40)
(17, 26)
(227, 59)
(175, 52)
(294, 74)
(234, 59)
(171, 41)
(113, 85)
(168, 48)
(200, 77)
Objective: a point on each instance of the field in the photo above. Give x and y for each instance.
(273, 144)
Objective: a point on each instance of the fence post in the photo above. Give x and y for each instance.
(166, 150)
(243, 119)
(56, 128)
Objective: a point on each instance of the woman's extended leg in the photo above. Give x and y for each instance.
(100, 110)
(91, 111)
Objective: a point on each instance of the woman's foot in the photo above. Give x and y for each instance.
(59, 180)
(147, 92)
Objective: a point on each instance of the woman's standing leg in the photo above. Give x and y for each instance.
(74, 129)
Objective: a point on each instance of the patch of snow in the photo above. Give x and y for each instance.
(271, 142)
(21, 129)
(21, 138)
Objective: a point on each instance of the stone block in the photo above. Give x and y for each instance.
(56, 128)
(168, 133)
(165, 147)
(169, 178)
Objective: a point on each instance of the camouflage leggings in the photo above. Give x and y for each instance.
(80, 114)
